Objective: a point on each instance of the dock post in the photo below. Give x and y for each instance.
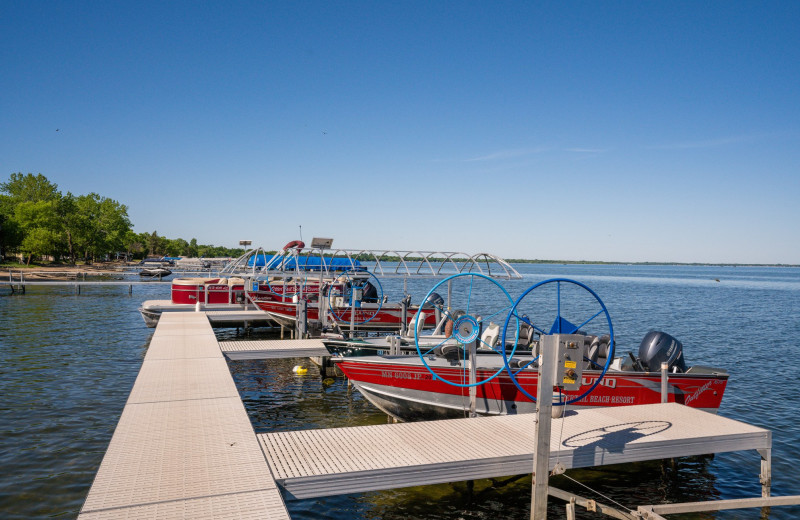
(130, 289)
(571, 509)
(301, 321)
(544, 419)
(473, 389)
(664, 393)
(766, 471)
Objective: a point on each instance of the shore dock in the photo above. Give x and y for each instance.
(185, 448)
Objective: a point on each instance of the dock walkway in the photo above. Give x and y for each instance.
(184, 446)
(273, 349)
(313, 463)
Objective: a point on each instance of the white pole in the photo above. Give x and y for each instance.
(544, 419)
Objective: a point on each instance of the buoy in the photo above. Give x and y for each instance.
(299, 370)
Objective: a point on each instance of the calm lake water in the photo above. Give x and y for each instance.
(68, 363)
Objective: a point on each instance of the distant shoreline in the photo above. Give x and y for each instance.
(111, 267)
(600, 262)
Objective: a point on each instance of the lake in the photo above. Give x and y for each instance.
(68, 363)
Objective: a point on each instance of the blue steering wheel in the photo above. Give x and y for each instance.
(560, 326)
(467, 327)
(351, 284)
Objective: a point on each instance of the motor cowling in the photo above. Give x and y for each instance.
(433, 300)
(659, 347)
(370, 294)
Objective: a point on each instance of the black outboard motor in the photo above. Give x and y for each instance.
(659, 347)
(369, 294)
(434, 300)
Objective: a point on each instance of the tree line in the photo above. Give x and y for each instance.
(38, 221)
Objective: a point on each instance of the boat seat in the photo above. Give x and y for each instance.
(490, 336)
(598, 352)
(417, 324)
(448, 349)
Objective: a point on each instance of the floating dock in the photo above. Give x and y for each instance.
(273, 349)
(313, 463)
(185, 448)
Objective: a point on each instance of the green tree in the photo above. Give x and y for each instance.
(30, 188)
(39, 225)
(177, 247)
(105, 226)
(10, 232)
(71, 221)
(153, 244)
(28, 206)
(192, 250)
(133, 243)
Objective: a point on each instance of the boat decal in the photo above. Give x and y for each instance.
(697, 392)
(610, 382)
(404, 374)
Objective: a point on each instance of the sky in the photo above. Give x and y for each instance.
(610, 131)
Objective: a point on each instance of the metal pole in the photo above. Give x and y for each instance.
(766, 470)
(449, 294)
(473, 390)
(544, 406)
(352, 309)
(404, 316)
(302, 312)
(664, 393)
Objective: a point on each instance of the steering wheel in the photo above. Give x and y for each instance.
(356, 284)
(548, 300)
(481, 299)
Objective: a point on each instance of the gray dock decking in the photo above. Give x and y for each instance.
(314, 463)
(272, 349)
(184, 446)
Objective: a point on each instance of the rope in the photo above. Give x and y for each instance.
(598, 493)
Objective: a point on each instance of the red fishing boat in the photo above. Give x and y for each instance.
(402, 386)
(491, 369)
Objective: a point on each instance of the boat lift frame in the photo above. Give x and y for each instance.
(408, 263)
(405, 264)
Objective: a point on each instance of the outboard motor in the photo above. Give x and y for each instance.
(659, 347)
(370, 294)
(434, 300)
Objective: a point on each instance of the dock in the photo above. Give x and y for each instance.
(185, 448)
(273, 349)
(316, 463)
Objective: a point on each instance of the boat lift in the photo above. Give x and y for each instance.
(320, 262)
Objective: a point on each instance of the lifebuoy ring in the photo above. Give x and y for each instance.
(298, 244)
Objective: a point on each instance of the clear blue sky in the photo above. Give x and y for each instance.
(617, 131)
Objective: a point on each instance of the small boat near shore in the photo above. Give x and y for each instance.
(154, 272)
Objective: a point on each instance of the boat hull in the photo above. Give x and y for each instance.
(405, 389)
(369, 317)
